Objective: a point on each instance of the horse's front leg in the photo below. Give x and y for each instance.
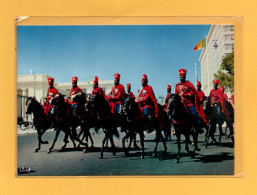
(112, 143)
(102, 149)
(195, 137)
(179, 145)
(55, 139)
(141, 134)
(39, 139)
(157, 142)
(123, 143)
(164, 143)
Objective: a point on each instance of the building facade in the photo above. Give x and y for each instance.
(36, 85)
(219, 43)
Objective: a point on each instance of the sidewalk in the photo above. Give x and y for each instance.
(27, 131)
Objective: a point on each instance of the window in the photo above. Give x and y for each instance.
(232, 46)
(228, 46)
(232, 28)
(227, 37)
(232, 37)
(226, 28)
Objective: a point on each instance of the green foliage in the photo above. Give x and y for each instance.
(226, 72)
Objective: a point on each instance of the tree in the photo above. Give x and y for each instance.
(226, 72)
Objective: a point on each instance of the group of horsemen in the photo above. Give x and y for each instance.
(191, 98)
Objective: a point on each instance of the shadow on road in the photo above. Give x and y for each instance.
(215, 158)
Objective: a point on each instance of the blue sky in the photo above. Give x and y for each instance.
(87, 51)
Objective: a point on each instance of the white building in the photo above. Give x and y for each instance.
(36, 85)
(211, 57)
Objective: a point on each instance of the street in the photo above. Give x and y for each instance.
(215, 160)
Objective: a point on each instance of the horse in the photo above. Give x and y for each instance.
(215, 118)
(41, 121)
(86, 118)
(135, 119)
(182, 123)
(62, 120)
(106, 119)
(137, 123)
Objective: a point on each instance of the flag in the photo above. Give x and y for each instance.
(201, 44)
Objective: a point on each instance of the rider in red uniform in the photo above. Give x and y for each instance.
(200, 93)
(129, 91)
(167, 97)
(147, 100)
(98, 90)
(51, 92)
(186, 90)
(225, 95)
(117, 93)
(74, 90)
(217, 99)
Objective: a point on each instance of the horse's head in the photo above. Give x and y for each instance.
(171, 103)
(29, 105)
(58, 98)
(127, 104)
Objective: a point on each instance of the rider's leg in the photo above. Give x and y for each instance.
(197, 120)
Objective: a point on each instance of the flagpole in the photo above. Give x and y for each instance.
(195, 74)
(207, 53)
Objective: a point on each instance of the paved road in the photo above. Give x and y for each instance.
(215, 160)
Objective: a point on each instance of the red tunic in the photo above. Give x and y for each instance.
(74, 91)
(232, 99)
(166, 101)
(99, 91)
(51, 92)
(225, 97)
(46, 106)
(216, 96)
(190, 97)
(131, 95)
(146, 99)
(117, 93)
(201, 96)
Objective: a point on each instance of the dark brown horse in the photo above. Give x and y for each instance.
(41, 121)
(137, 123)
(108, 122)
(182, 123)
(63, 121)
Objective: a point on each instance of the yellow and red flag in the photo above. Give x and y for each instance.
(200, 45)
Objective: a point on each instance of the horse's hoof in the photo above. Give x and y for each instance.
(197, 149)
(62, 148)
(92, 146)
(78, 146)
(114, 153)
(154, 154)
(85, 150)
(142, 157)
(177, 161)
(164, 152)
(36, 150)
(101, 156)
(46, 142)
(49, 151)
(137, 148)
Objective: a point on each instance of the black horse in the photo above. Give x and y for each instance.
(41, 121)
(133, 125)
(63, 121)
(215, 118)
(86, 118)
(182, 123)
(108, 122)
(137, 123)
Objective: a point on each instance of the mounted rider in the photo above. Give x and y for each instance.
(200, 93)
(129, 91)
(167, 97)
(74, 90)
(116, 95)
(218, 101)
(224, 95)
(186, 91)
(51, 92)
(98, 90)
(146, 100)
